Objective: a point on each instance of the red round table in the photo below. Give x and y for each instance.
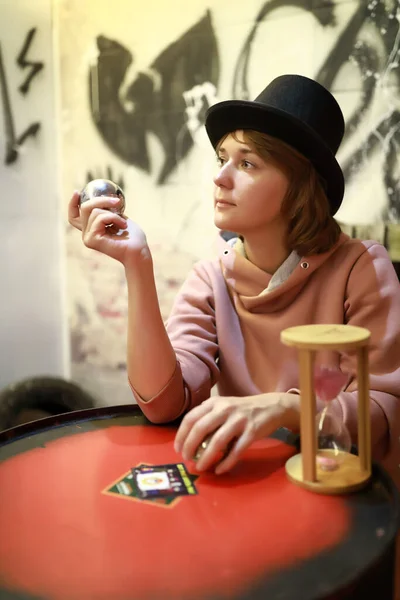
(71, 531)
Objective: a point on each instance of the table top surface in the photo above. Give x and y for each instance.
(71, 529)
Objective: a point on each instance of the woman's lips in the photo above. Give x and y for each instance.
(223, 204)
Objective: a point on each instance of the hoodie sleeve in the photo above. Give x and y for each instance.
(373, 301)
(192, 330)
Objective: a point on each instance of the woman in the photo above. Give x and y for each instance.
(278, 188)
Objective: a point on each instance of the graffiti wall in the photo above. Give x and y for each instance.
(32, 317)
(135, 89)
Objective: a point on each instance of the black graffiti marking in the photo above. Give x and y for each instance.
(98, 174)
(240, 88)
(36, 67)
(370, 59)
(11, 152)
(382, 17)
(155, 97)
(12, 141)
(388, 130)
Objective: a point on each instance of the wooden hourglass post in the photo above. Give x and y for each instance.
(307, 414)
(303, 469)
(364, 422)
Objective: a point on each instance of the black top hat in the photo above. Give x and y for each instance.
(298, 111)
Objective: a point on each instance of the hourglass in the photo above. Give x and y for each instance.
(326, 464)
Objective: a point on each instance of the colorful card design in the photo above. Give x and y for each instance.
(160, 484)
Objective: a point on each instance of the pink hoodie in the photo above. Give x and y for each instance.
(226, 322)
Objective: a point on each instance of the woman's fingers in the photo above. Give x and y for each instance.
(104, 203)
(102, 223)
(188, 422)
(79, 214)
(96, 225)
(252, 432)
(244, 441)
(73, 210)
(219, 443)
(200, 430)
(227, 419)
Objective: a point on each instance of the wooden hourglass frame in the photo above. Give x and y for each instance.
(354, 471)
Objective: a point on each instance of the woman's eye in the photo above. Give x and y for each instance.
(246, 164)
(220, 161)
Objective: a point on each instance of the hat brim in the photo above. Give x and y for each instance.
(232, 115)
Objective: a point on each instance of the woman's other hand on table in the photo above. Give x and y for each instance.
(123, 241)
(244, 419)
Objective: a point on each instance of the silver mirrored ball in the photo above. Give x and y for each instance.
(104, 187)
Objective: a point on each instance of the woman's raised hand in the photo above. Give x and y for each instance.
(106, 231)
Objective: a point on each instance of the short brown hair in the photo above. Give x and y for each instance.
(311, 229)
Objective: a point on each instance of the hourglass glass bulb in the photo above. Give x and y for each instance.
(333, 437)
(329, 382)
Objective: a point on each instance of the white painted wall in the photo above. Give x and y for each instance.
(32, 316)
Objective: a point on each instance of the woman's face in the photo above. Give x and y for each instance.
(248, 191)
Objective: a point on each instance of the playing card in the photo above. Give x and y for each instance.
(155, 481)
